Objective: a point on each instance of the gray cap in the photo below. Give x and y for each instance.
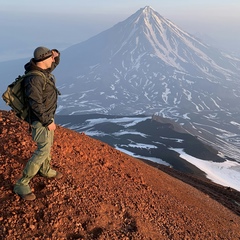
(41, 53)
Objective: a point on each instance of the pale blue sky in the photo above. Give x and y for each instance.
(26, 24)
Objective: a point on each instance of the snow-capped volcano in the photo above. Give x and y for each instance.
(142, 65)
(145, 65)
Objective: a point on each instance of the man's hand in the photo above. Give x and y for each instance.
(55, 53)
(52, 126)
(56, 56)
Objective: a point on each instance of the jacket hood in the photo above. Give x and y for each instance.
(31, 65)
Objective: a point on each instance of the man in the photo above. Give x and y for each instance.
(42, 98)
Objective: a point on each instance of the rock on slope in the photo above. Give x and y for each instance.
(104, 194)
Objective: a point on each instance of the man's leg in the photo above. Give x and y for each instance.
(43, 138)
(45, 169)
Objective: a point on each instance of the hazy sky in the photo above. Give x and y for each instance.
(27, 24)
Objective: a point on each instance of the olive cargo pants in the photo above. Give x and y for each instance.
(40, 160)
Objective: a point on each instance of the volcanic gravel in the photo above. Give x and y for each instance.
(106, 194)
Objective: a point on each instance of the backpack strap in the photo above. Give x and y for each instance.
(38, 73)
(35, 72)
(52, 84)
(46, 79)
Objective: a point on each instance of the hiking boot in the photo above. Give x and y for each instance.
(28, 197)
(58, 175)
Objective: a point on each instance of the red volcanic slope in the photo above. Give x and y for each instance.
(104, 194)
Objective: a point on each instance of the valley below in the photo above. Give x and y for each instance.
(163, 141)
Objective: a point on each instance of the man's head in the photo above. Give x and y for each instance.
(44, 57)
(41, 53)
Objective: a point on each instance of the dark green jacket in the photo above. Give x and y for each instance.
(42, 96)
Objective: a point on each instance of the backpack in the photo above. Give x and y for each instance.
(15, 97)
